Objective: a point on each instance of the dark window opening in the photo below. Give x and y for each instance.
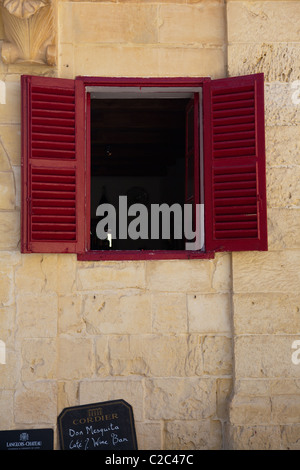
(138, 151)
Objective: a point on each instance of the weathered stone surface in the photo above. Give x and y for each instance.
(283, 229)
(290, 437)
(280, 108)
(276, 61)
(70, 319)
(36, 403)
(122, 312)
(7, 408)
(114, 23)
(285, 409)
(266, 272)
(6, 287)
(209, 313)
(38, 359)
(254, 438)
(9, 230)
(154, 355)
(151, 61)
(282, 145)
(112, 275)
(250, 411)
(268, 313)
(224, 390)
(102, 356)
(148, 435)
(76, 358)
(194, 398)
(283, 187)
(10, 114)
(7, 191)
(265, 356)
(193, 435)
(179, 24)
(37, 315)
(260, 21)
(130, 390)
(217, 355)
(169, 313)
(180, 276)
(11, 138)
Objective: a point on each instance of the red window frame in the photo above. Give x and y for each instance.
(234, 170)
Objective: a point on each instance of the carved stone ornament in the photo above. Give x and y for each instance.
(29, 32)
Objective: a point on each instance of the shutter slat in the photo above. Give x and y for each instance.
(235, 190)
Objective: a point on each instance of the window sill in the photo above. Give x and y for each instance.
(123, 255)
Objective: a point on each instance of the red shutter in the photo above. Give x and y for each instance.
(234, 159)
(52, 202)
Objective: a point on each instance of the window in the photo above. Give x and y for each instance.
(199, 142)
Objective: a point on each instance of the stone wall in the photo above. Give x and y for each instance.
(169, 337)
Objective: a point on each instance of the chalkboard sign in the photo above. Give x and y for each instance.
(98, 426)
(27, 439)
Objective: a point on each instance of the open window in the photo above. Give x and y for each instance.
(176, 143)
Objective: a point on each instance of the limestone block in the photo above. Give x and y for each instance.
(38, 359)
(7, 409)
(10, 111)
(115, 23)
(59, 272)
(254, 437)
(102, 356)
(265, 356)
(4, 158)
(36, 403)
(37, 315)
(180, 276)
(65, 22)
(290, 435)
(70, 319)
(148, 436)
(202, 23)
(121, 312)
(155, 355)
(10, 258)
(280, 106)
(283, 229)
(180, 398)
(169, 313)
(75, 358)
(67, 394)
(221, 276)
(267, 313)
(66, 61)
(7, 190)
(17, 186)
(149, 61)
(7, 325)
(282, 145)
(279, 61)
(266, 272)
(9, 230)
(130, 390)
(29, 276)
(260, 21)
(193, 435)
(6, 286)
(224, 390)
(285, 409)
(217, 355)
(283, 187)
(250, 411)
(209, 313)
(112, 275)
(11, 139)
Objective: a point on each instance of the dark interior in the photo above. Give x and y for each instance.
(138, 150)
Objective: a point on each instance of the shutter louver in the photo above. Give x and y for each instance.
(235, 189)
(51, 203)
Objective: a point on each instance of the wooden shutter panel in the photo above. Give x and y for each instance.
(234, 159)
(52, 172)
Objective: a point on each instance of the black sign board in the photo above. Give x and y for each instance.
(27, 439)
(98, 426)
